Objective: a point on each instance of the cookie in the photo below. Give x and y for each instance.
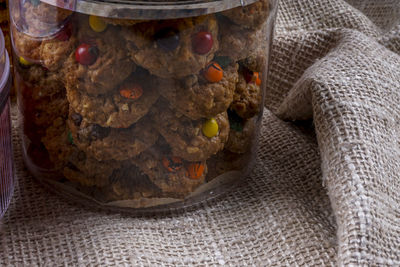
(238, 43)
(39, 82)
(251, 16)
(121, 22)
(203, 95)
(99, 62)
(242, 133)
(57, 143)
(192, 140)
(129, 182)
(172, 175)
(54, 52)
(27, 48)
(111, 143)
(122, 107)
(173, 48)
(88, 171)
(247, 99)
(38, 14)
(226, 161)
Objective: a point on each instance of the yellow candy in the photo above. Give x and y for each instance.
(97, 24)
(24, 62)
(210, 128)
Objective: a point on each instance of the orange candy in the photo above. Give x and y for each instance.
(133, 91)
(213, 72)
(172, 164)
(257, 78)
(195, 170)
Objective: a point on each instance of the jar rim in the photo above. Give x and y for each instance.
(148, 10)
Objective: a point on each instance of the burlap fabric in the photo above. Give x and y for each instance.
(322, 193)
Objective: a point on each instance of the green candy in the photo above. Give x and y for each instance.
(223, 61)
(70, 138)
(35, 2)
(235, 121)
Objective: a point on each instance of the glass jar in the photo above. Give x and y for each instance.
(145, 106)
(6, 155)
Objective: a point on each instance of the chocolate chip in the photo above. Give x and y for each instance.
(167, 39)
(97, 132)
(76, 119)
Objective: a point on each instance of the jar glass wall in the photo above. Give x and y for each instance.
(6, 154)
(125, 110)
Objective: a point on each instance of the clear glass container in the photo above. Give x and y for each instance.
(145, 106)
(6, 155)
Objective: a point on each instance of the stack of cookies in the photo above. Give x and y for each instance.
(126, 109)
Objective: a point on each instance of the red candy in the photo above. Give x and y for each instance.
(86, 54)
(202, 43)
(65, 33)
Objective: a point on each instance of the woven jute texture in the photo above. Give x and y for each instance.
(326, 187)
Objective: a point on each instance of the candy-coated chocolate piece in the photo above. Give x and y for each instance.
(76, 119)
(86, 54)
(223, 61)
(167, 39)
(257, 78)
(97, 24)
(248, 75)
(65, 33)
(210, 128)
(195, 170)
(213, 72)
(251, 77)
(172, 164)
(70, 138)
(235, 121)
(131, 91)
(24, 62)
(202, 42)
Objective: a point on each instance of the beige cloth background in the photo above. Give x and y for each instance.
(324, 197)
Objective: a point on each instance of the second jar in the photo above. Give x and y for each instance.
(140, 113)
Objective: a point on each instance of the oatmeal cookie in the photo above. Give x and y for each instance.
(173, 48)
(100, 61)
(54, 52)
(251, 16)
(242, 133)
(247, 100)
(40, 82)
(174, 176)
(88, 171)
(121, 22)
(129, 182)
(196, 97)
(57, 143)
(110, 143)
(225, 161)
(129, 102)
(192, 140)
(238, 43)
(25, 46)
